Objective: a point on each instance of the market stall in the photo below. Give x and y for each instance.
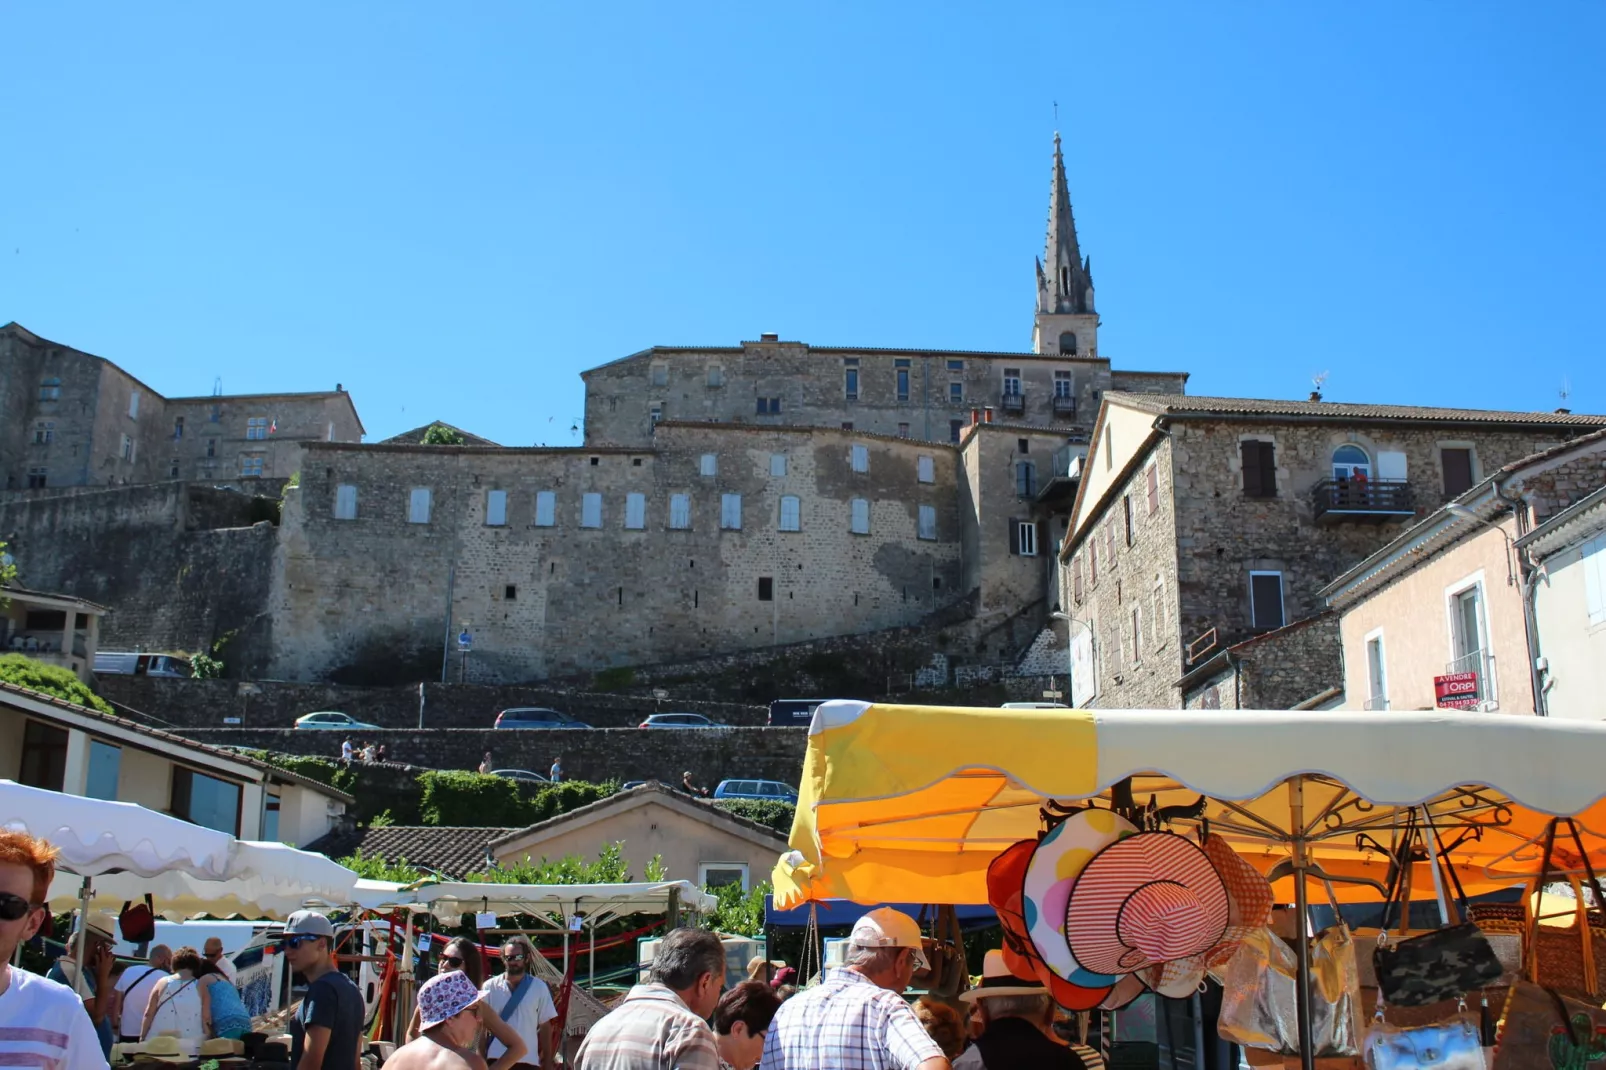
(900, 803)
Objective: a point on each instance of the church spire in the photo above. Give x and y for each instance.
(1064, 282)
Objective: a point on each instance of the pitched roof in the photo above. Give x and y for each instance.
(650, 792)
(445, 849)
(1191, 405)
(414, 437)
(11, 590)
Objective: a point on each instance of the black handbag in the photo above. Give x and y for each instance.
(1441, 965)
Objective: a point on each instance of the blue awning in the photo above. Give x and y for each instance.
(842, 913)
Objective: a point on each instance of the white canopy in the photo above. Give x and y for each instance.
(567, 899)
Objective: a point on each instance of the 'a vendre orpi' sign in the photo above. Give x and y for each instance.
(1457, 691)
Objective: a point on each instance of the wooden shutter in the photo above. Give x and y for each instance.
(1251, 458)
(1154, 489)
(1457, 471)
(1266, 596)
(1076, 579)
(1014, 535)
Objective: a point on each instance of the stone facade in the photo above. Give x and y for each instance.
(69, 419)
(1280, 670)
(1184, 576)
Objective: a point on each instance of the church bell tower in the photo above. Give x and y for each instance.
(1066, 321)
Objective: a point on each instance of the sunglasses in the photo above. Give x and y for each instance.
(293, 942)
(13, 907)
(514, 958)
(451, 960)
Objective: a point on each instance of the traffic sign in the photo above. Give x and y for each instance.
(464, 640)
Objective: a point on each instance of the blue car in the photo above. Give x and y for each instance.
(756, 789)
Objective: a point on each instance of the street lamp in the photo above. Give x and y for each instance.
(1070, 660)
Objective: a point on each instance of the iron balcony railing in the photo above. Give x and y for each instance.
(1012, 402)
(1067, 461)
(1365, 498)
(1064, 405)
(1482, 663)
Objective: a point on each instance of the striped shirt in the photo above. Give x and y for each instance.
(44, 1026)
(651, 1030)
(847, 1022)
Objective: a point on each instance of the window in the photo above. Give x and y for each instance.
(956, 428)
(418, 506)
(717, 874)
(172, 469)
(1063, 387)
(1025, 479)
(510, 592)
(1109, 447)
(1022, 537)
(859, 513)
(251, 465)
(1377, 689)
(708, 465)
(205, 801)
(730, 512)
(850, 378)
(211, 447)
(1457, 465)
(128, 449)
(1109, 540)
(860, 457)
(1068, 343)
(1351, 462)
(656, 414)
(925, 470)
(1126, 506)
(256, 428)
(635, 511)
(1159, 611)
(1012, 382)
(1260, 469)
(777, 464)
(591, 510)
(1076, 580)
(902, 370)
(927, 525)
(769, 406)
(50, 390)
(1137, 634)
(680, 511)
(847, 425)
(345, 501)
(133, 405)
(270, 818)
(1151, 479)
(44, 756)
(956, 391)
(105, 763)
(716, 375)
(38, 477)
(1466, 631)
(178, 429)
(44, 432)
(766, 589)
(903, 430)
(660, 373)
(791, 513)
(1023, 445)
(496, 508)
(1266, 600)
(546, 508)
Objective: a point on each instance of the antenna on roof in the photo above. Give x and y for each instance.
(1566, 390)
(1316, 382)
(1056, 115)
(217, 387)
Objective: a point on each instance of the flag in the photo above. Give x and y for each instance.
(273, 428)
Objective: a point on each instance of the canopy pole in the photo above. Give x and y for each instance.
(1432, 840)
(1296, 821)
(591, 968)
(405, 979)
(80, 982)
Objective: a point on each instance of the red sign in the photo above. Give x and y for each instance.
(1457, 691)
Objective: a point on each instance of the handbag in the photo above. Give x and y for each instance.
(1447, 1045)
(1260, 985)
(137, 922)
(1542, 1028)
(1440, 965)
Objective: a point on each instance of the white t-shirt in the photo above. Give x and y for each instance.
(345, 750)
(135, 984)
(535, 1011)
(44, 1024)
(226, 965)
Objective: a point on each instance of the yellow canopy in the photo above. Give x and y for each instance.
(911, 803)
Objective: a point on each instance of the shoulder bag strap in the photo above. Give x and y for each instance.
(519, 993)
(169, 997)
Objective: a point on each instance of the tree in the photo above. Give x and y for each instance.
(49, 679)
(441, 435)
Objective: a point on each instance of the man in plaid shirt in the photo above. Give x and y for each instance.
(662, 1025)
(856, 1018)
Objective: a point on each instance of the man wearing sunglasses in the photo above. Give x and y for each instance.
(42, 1023)
(523, 1001)
(327, 1031)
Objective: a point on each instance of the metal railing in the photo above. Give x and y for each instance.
(1481, 662)
(1202, 645)
(1364, 497)
(1064, 405)
(1012, 402)
(1065, 462)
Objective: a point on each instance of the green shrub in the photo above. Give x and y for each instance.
(455, 797)
(609, 868)
(324, 771)
(51, 680)
(441, 435)
(375, 868)
(615, 679)
(739, 913)
(771, 812)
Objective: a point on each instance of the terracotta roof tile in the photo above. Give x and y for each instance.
(448, 850)
(1193, 405)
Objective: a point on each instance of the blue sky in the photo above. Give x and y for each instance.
(454, 213)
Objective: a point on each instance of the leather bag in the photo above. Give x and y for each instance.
(1541, 1028)
(137, 921)
(1448, 1045)
(1440, 965)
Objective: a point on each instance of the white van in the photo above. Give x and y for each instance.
(124, 664)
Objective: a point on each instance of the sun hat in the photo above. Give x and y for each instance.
(1005, 876)
(162, 1047)
(1059, 859)
(221, 1046)
(1149, 898)
(444, 996)
(1249, 901)
(886, 927)
(998, 980)
(97, 924)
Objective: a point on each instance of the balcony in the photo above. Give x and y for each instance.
(1367, 501)
(1009, 402)
(1065, 406)
(1481, 664)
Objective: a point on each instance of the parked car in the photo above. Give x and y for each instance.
(333, 719)
(679, 720)
(536, 717)
(756, 789)
(521, 774)
(114, 663)
(793, 712)
(1034, 706)
(631, 784)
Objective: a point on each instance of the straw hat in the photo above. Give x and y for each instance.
(998, 980)
(221, 1046)
(162, 1047)
(1059, 860)
(1150, 898)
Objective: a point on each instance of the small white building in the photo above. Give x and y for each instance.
(49, 743)
(1569, 607)
(56, 629)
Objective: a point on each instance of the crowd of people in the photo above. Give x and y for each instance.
(367, 753)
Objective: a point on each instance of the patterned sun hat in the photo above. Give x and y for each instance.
(1059, 859)
(444, 996)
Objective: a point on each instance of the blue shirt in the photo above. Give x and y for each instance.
(103, 1028)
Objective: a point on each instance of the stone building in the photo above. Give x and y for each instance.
(71, 419)
(1202, 522)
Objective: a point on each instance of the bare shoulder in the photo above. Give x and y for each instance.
(471, 1060)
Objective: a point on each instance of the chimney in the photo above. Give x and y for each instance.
(987, 415)
(1316, 395)
(1564, 412)
(767, 337)
(339, 389)
(975, 416)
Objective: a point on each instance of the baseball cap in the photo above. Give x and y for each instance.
(886, 927)
(444, 996)
(307, 923)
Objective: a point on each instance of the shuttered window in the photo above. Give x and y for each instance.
(777, 464)
(925, 470)
(418, 506)
(1592, 557)
(859, 524)
(346, 502)
(680, 511)
(1457, 471)
(546, 508)
(1076, 579)
(1266, 599)
(1153, 477)
(928, 522)
(791, 513)
(708, 465)
(591, 510)
(1260, 469)
(861, 458)
(496, 507)
(730, 512)
(635, 511)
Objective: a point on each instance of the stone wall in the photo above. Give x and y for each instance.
(180, 566)
(598, 754)
(1555, 487)
(1275, 671)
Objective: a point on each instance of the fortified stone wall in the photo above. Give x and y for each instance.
(599, 754)
(179, 566)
